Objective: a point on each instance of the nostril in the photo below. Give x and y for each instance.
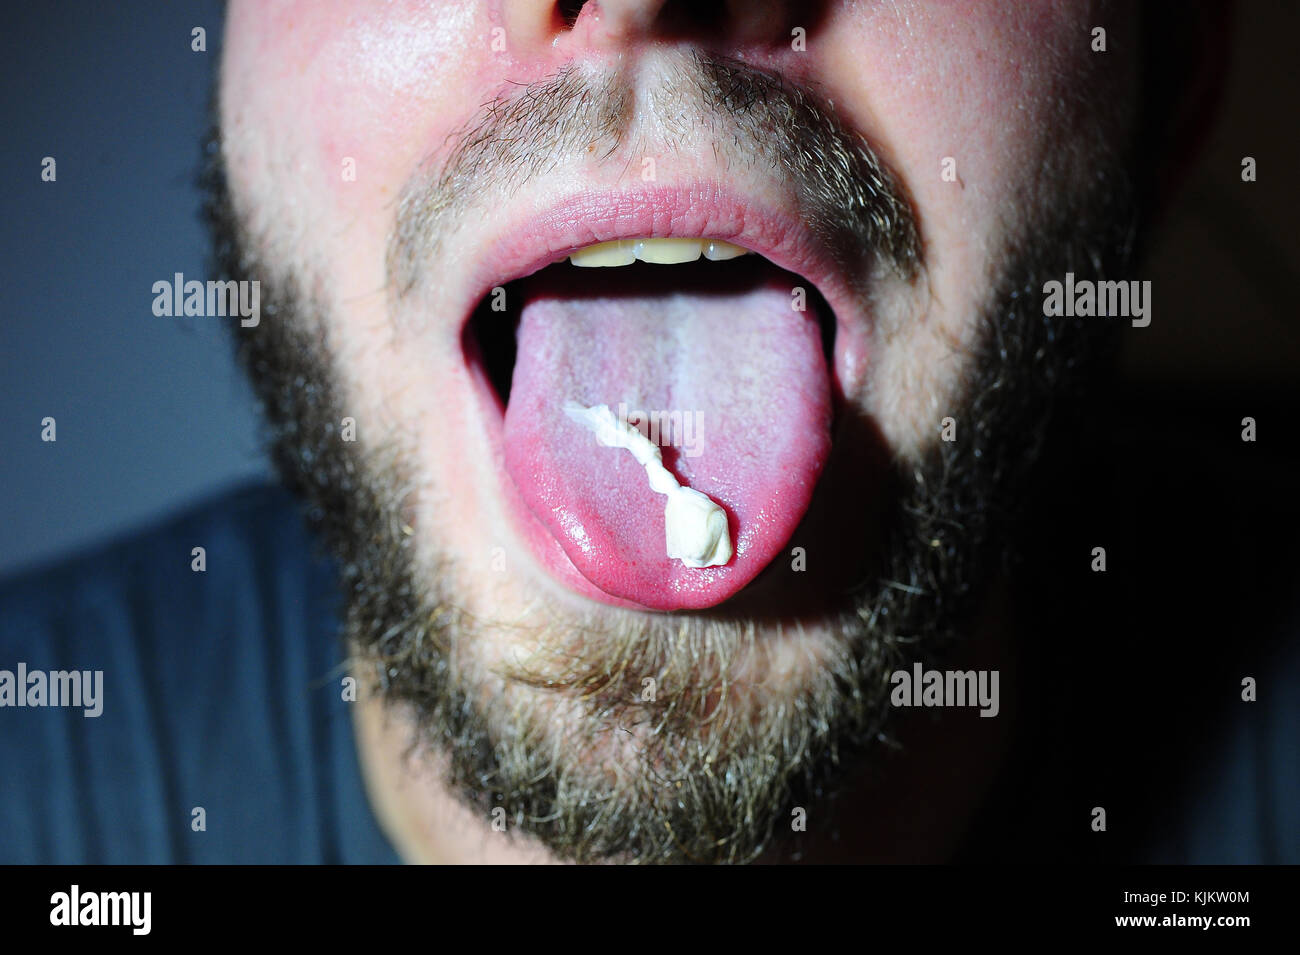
(618, 20)
(569, 10)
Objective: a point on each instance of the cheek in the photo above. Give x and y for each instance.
(964, 101)
(975, 83)
(328, 109)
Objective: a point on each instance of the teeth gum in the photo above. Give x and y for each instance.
(670, 251)
(695, 527)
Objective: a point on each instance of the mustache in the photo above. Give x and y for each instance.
(852, 201)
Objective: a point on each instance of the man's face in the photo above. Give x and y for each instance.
(409, 180)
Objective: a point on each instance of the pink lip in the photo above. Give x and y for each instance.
(702, 210)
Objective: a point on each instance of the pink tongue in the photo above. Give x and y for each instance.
(743, 380)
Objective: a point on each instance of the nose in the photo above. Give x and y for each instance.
(576, 29)
(613, 23)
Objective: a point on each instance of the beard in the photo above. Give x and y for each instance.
(627, 736)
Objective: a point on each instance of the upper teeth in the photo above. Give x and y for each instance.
(659, 251)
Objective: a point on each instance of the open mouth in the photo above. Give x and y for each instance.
(715, 366)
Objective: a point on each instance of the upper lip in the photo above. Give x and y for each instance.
(703, 210)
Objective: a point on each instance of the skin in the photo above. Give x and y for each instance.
(305, 86)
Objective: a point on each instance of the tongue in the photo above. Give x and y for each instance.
(733, 377)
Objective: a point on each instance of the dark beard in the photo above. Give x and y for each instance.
(706, 777)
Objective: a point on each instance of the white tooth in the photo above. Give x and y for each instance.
(717, 251)
(604, 254)
(672, 251)
(669, 251)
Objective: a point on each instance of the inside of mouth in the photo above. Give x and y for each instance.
(491, 335)
(722, 365)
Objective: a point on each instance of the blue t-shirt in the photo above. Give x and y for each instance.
(222, 691)
(224, 736)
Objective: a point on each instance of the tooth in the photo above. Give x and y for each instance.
(668, 251)
(605, 254)
(717, 251)
(658, 251)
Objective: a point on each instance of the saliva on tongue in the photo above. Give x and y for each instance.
(730, 376)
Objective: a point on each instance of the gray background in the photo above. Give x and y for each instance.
(151, 412)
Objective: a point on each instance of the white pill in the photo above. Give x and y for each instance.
(695, 527)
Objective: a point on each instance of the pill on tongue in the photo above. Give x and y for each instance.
(695, 528)
(712, 342)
